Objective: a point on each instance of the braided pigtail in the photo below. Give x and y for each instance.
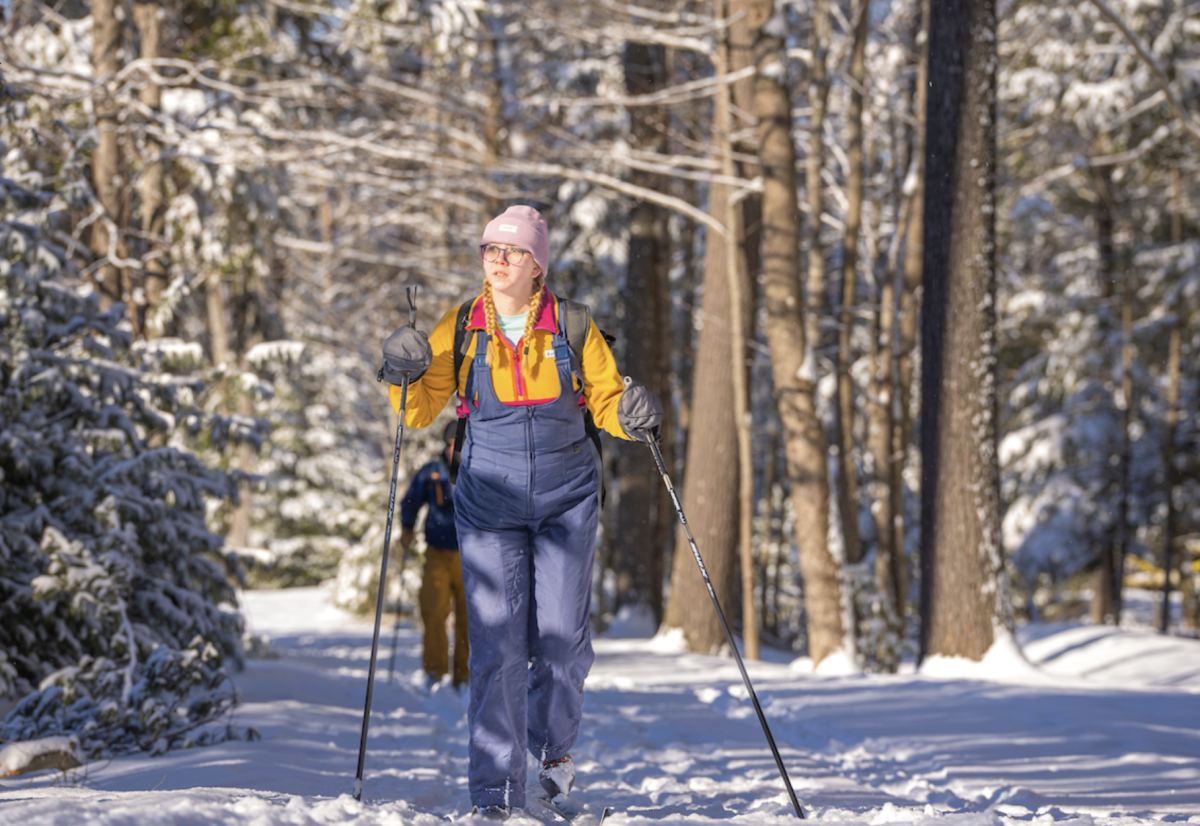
(489, 311)
(535, 307)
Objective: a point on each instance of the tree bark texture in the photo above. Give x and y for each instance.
(1104, 591)
(710, 485)
(1170, 477)
(644, 516)
(804, 439)
(847, 478)
(881, 425)
(735, 269)
(107, 36)
(154, 279)
(818, 96)
(908, 316)
(1121, 534)
(963, 593)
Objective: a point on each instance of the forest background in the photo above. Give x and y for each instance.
(921, 290)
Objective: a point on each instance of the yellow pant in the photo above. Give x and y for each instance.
(441, 589)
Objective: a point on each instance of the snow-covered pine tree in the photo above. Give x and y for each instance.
(117, 616)
(1086, 234)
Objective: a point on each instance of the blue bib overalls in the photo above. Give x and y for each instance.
(526, 512)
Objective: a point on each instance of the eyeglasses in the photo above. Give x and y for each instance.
(513, 255)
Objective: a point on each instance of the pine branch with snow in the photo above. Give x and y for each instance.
(117, 613)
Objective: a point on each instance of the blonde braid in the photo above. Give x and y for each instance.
(489, 311)
(535, 307)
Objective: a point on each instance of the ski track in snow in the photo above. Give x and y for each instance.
(1104, 731)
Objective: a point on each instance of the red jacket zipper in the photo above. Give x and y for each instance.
(517, 363)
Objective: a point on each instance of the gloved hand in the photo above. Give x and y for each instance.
(406, 354)
(639, 412)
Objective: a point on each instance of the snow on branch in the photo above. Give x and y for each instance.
(37, 755)
(275, 351)
(1135, 41)
(679, 93)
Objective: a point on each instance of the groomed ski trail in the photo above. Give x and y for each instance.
(669, 738)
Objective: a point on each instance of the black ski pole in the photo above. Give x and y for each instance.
(387, 540)
(662, 469)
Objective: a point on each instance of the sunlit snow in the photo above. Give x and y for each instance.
(1091, 726)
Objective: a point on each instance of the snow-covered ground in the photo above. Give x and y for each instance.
(1099, 728)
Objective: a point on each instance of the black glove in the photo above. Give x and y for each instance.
(406, 354)
(639, 412)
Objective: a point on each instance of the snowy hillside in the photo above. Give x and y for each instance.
(1104, 731)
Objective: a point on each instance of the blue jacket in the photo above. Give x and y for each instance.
(432, 486)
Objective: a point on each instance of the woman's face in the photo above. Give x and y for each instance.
(513, 280)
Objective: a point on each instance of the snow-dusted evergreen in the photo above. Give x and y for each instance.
(1087, 229)
(117, 614)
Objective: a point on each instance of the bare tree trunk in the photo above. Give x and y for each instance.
(493, 120)
(1170, 476)
(1122, 532)
(908, 317)
(218, 320)
(107, 36)
(148, 17)
(710, 487)
(766, 504)
(847, 477)
(963, 591)
(735, 271)
(818, 96)
(791, 358)
(1104, 600)
(1191, 605)
(881, 425)
(639, 544)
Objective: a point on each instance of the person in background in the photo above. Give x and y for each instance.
(442, 579)
(526, 501)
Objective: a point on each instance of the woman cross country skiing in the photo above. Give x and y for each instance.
(526, 504)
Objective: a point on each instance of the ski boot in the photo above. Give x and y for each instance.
(557, 776)
(494, 812)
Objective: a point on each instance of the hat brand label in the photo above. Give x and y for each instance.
(508, 227)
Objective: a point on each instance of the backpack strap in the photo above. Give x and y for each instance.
(576, 317)
(572, 317)
(460, 352)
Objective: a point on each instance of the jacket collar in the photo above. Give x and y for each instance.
(547, 316)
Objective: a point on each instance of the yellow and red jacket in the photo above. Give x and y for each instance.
(517, 379)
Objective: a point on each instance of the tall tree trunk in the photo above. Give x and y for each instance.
(1170, 476)
(792, 362)
(1104, 600)
(1191, 606)
(248, 326)
(738, 302)
(963, 593)
(494, 122)
(847, 477)
(148, 18)
(643, 520)
(908, 316)
(1122, 532)
(881, 425)
(818, 95)
(745, 262)
(710, 486)
(107, 37)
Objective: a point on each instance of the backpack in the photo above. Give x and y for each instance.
(572, 316)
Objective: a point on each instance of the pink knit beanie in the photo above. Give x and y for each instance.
(524, 227)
